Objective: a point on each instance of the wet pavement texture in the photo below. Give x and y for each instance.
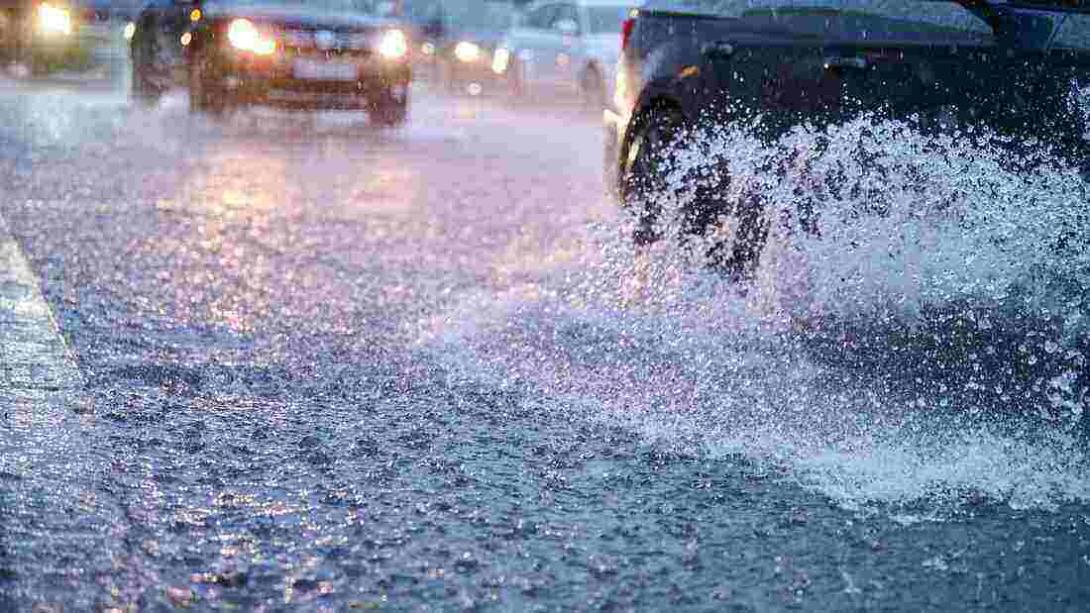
(266, 420)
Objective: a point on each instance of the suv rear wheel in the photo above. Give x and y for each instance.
(643, 185)
(642, 179)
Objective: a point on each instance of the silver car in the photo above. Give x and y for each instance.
(564, 48)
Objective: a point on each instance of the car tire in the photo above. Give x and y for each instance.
(642, 184)
(389, 110)
(641, 179)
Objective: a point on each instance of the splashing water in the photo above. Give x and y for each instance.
(913, 329)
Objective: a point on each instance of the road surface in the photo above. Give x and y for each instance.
(293, 361)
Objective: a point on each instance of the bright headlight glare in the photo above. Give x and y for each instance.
(129, 31)
(500, 60)
(393, 45)
(467, 52)
(54, 20)
(245, 36)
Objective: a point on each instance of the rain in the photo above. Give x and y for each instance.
(277, 359)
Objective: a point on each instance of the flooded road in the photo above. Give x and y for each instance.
(324, 366)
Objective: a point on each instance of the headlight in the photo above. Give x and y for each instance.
(54, 20)
(129, 31)
(500, 60)
(467, 52)
(393, 45)
(245, 36)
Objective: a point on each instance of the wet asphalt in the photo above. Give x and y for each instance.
(263, 425)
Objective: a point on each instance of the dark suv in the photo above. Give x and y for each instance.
(1011, 66)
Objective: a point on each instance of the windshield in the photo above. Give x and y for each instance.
(605, 19)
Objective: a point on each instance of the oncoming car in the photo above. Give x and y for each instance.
(1009, 66)
(325, 54)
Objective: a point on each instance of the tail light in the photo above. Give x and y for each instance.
(626, 29)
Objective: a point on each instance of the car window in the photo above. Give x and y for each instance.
(606, 19)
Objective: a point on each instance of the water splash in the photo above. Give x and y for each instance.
(912, 331)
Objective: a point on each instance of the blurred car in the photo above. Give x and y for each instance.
(1010, 66)
(460, 39)
(40, 34)
(564, 48)
(324, 54)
